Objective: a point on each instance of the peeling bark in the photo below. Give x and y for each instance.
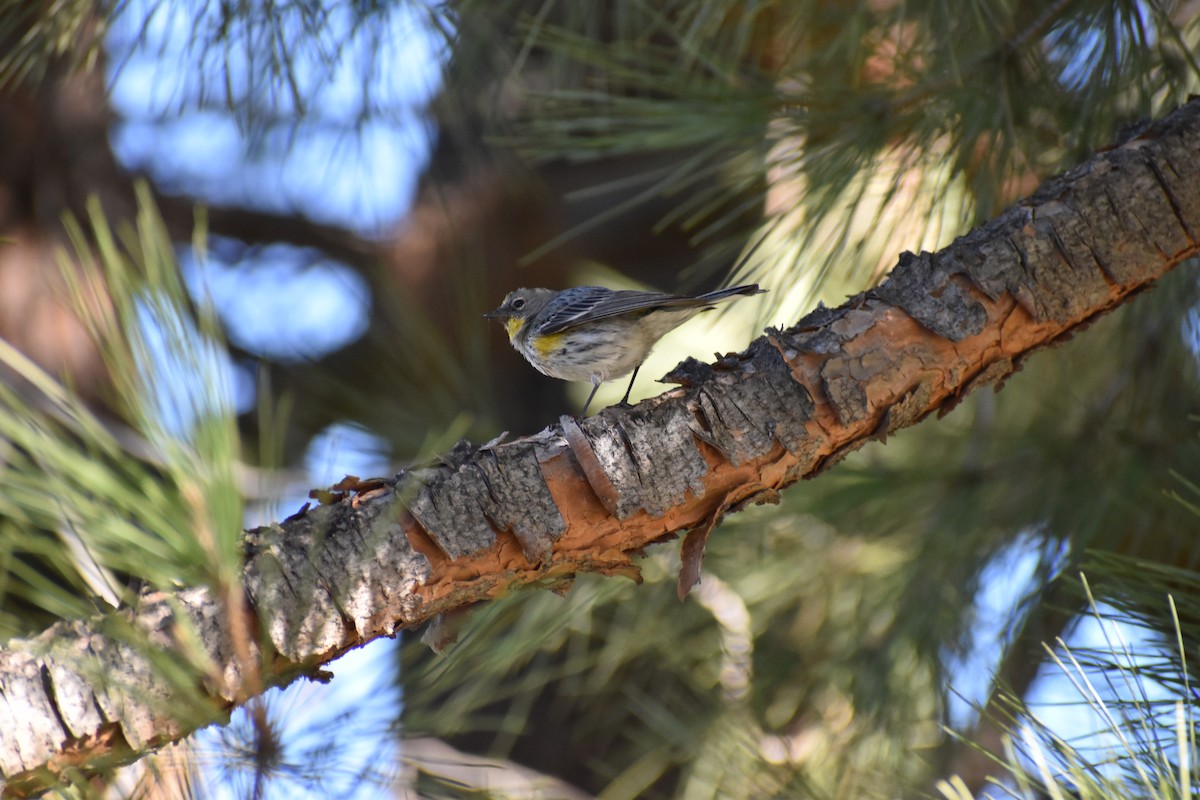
(587, 496)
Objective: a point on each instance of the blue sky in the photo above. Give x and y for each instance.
(350, 155)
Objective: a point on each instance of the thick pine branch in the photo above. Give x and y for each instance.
(587, 497)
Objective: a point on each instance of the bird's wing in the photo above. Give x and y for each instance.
(595, 302)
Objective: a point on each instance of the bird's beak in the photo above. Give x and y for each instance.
(495, 314)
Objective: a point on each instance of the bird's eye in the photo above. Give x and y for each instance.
(519, 303)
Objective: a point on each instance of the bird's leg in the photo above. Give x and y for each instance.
(625, 399)
(595, 386)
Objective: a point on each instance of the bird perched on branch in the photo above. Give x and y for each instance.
(590, 333)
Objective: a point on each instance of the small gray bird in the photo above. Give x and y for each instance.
(590, 333)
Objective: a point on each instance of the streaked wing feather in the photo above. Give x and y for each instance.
(602, 303)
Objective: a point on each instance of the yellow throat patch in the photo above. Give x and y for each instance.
(513, 326)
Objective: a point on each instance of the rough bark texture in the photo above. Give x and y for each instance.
(385, 554)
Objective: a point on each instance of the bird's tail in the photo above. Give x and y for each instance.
(724, 294)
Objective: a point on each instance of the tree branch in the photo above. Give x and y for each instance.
(382, 555)
(256, 227)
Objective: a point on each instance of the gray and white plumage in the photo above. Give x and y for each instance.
(590, 333)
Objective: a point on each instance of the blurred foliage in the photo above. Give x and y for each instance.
(95, 510)
(812, 141)
(1127, 688)
(92, 508)
(920, 119)
(39, 36)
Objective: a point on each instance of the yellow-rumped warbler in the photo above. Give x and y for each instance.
(590, 333)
